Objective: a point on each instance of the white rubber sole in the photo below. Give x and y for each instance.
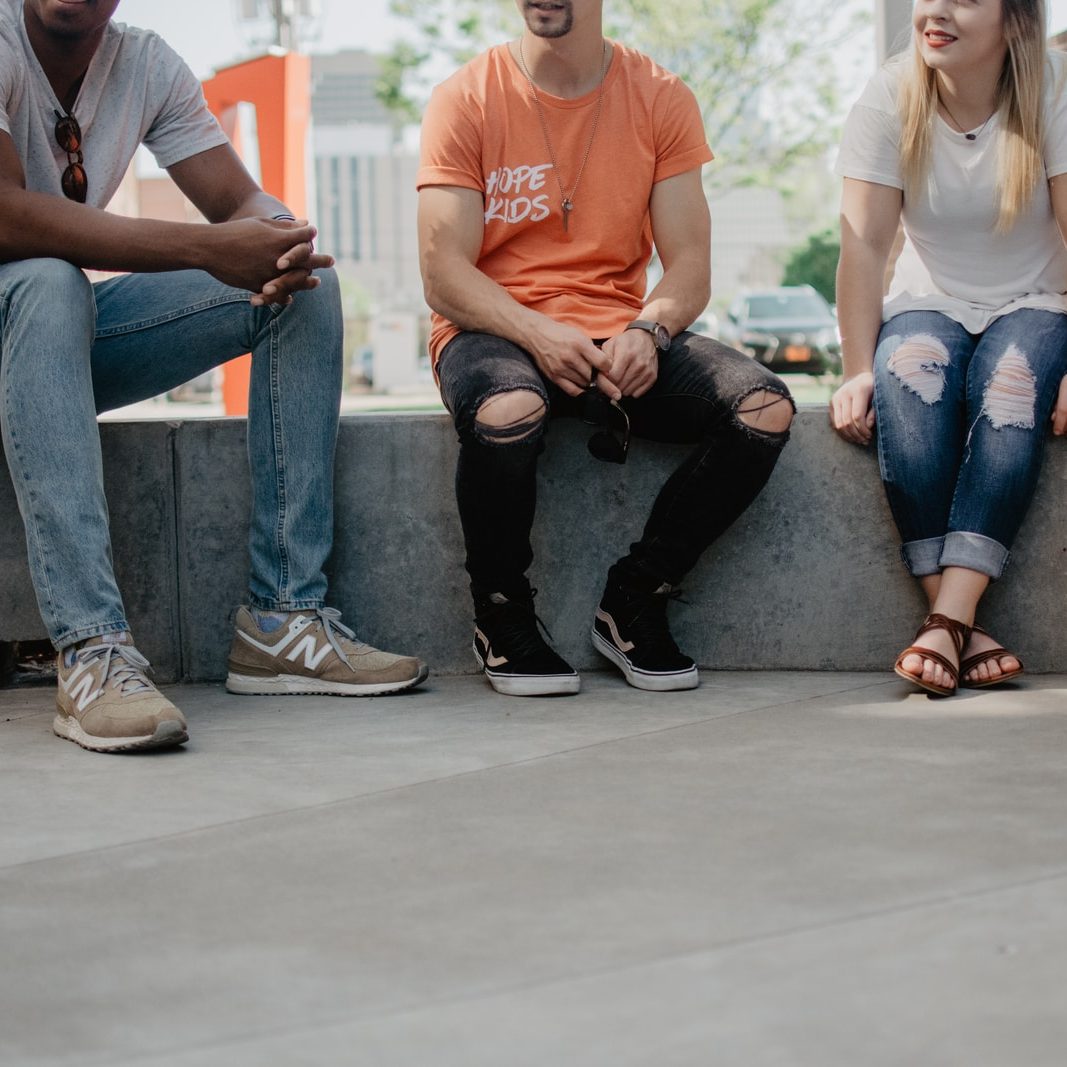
(167, 733)
(530, 685)
(652, 681)
(294, 685)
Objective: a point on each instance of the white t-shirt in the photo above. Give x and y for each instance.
(954, 261)
(136, 90)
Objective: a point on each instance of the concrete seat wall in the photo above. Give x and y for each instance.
(808, 579)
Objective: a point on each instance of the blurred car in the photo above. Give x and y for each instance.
(707, 324)
(792, 330)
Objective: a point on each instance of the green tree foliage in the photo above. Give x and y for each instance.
(815, 263)
(764, 71)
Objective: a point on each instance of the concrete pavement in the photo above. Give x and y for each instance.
(775, 869)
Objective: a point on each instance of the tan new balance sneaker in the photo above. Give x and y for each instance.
(312, 652)
(106, 704)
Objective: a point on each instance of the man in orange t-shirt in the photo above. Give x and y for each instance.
(551, 167)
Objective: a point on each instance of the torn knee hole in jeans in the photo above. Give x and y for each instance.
(919, 365)
(765, 412)
(1011, 393)
(524, 425)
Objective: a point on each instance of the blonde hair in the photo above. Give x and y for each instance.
(1020, 163)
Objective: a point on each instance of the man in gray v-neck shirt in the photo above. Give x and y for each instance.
(78, 94)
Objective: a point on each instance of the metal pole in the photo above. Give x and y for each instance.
(893, 21)
(284, 24)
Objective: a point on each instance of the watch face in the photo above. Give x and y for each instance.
(661, 335)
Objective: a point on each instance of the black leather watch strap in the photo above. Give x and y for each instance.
(661, 336)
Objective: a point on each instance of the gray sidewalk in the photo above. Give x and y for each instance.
(775, 869)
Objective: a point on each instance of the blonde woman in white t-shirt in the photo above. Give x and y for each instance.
(965, 141)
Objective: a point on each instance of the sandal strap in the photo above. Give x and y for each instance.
(990, 653)
(957, 630)
(928, 653)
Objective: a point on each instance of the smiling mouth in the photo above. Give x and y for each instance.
(939, 37)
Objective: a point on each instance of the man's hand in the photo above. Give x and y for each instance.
(1059, 412)
(296, 265)
(851, 410)
(270, 258)
(634, 362)
(567, 357)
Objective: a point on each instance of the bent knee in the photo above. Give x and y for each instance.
(1010, 397)
(766, 411)
(36, 292)
(511, 417)
(919, 364)
(55, 277)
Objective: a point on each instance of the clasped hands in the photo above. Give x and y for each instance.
(625, 365)
(272, 258)
(296, 265)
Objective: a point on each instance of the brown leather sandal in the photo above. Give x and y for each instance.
(981, 657)
(958, 631)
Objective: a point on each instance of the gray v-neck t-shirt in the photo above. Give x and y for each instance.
(136, 91)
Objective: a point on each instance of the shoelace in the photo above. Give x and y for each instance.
(647, 626)
(517, 631)
(124, 666)
(330, 618)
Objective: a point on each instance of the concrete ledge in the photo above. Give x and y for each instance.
(139, 481)
(808, 579)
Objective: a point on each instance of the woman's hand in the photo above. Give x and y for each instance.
(1059, 412)
(852, 413)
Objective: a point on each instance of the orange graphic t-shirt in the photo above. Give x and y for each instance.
(482, 131)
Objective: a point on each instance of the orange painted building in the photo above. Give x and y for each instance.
(278, 86)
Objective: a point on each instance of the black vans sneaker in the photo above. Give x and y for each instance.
(630, 628)
(514, 656)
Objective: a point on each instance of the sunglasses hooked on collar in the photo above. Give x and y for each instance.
(74, 180)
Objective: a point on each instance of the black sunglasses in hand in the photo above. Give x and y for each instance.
(612, 442)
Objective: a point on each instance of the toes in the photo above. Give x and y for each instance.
(914, 664)
(934, 673)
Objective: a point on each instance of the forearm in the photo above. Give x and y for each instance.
(38, 226)
(459, 291)
(681, 295)
(259, 205)
(860, 284)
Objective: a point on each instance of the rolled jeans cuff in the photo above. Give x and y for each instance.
(923, 557)
(975, 552)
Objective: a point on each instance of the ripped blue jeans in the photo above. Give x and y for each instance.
(962, 423)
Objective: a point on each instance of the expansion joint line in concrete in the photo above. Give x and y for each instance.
(719, 947)
(375, 794)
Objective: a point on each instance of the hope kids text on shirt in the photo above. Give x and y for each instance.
(509, 194)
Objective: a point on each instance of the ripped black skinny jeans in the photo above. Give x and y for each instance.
(694, 400)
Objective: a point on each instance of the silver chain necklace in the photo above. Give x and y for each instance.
(568, 200)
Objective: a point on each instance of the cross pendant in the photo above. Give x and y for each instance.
(568, 207)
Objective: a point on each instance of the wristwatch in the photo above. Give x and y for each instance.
(661, 336)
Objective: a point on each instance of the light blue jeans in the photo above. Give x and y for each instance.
(69, 349)
(962, 424)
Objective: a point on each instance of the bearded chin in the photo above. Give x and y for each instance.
(540, 29)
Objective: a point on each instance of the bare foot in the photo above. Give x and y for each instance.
(988, 672)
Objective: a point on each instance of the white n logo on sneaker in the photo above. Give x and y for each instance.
(311, 658)
(80, 687)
